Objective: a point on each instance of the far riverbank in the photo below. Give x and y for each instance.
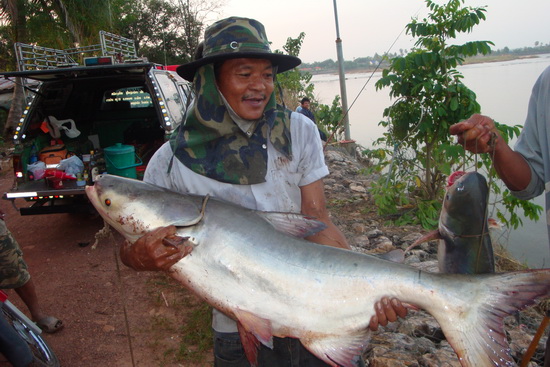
(468, 61)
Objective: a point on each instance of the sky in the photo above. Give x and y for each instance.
(368, 27)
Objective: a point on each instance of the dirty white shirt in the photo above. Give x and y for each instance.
(534, 142)
(280, 192)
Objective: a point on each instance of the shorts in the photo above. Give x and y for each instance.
(13, 269)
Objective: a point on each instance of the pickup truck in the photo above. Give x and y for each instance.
(83, 111)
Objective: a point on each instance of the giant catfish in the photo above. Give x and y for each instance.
(465, 242)
(275, 284)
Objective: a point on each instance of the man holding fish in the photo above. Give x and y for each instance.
(526, 169)
(238, 145)
(255, 266)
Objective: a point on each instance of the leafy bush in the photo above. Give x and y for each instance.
(430, 97)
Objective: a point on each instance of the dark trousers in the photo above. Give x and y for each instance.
(286, 352)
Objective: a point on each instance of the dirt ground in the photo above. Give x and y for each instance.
(113, 315)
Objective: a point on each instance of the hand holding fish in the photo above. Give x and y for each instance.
(387, 311)
(478, 134)
(156, 250)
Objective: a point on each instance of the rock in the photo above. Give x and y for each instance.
(357, 188)
(358, 227)
(108, 328)
(416, 256)
(334, 156)
(338, 188)
(362, 242)
(420, 324)
(410, 238)
(440, 358)
(383, 244)
(375, 233)
(520, 340)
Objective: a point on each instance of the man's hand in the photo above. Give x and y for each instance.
(478, 134)
(156, 250)
(387, 311)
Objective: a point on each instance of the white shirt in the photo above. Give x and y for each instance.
(280, 192)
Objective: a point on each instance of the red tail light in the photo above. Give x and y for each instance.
(17, 166)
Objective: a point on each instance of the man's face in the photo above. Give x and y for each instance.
(247, 85)
(305, 105)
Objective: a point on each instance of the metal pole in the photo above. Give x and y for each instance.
(343, 93)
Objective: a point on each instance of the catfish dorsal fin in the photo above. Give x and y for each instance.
(294, 224)
(253, 330)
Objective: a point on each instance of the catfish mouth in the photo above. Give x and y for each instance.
(454, 177)
(93, 195)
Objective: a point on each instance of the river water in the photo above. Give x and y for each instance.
(502, 89)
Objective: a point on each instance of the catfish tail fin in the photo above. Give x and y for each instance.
(476, 332)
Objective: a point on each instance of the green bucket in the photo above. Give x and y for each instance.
(121, 160)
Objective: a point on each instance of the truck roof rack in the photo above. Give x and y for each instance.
(33, 57)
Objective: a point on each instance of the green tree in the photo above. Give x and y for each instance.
(429, 97)
(297, 84)
(165, 32)
(294, 83)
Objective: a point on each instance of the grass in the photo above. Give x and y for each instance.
(180, 330)
(196, 335)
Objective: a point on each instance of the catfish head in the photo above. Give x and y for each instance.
(465, 204)
(133, 207)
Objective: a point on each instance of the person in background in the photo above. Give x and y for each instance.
(237, 144)
(526, 169)
(303, 108)
(14, 274)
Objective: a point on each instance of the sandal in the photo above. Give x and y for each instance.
(50, 324)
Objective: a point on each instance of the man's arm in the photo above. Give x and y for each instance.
(478, 134)
(314, 205)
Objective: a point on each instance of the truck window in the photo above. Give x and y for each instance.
(176, 106)
(126, 99)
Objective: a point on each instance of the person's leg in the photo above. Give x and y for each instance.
(286, 352)
(48, 324)
(228, 350)
(27, 293)
(15, 275)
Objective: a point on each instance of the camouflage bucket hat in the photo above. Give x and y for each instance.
(233, 38)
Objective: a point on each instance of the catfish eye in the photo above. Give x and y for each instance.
(108, 202)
